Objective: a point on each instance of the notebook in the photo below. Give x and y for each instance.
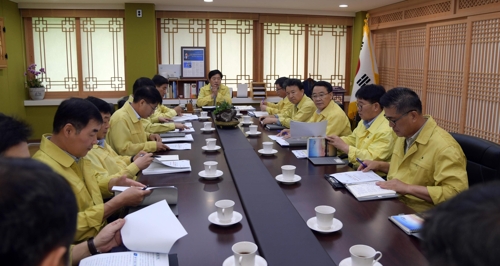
(362, 185)
(409, 223)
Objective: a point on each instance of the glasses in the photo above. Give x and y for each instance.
(392, 122)
(154, 108)
(360, 107)
(318, 96)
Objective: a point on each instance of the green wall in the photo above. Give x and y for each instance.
(140, 43)
(357, 38)
(12, 91)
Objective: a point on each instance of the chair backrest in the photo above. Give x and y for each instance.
(483, 158)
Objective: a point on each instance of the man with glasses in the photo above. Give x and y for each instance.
(126, 134)
(427, 165)
(283, 104)
(373, 139)
(327, 109)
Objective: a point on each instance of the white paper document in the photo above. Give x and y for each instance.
(167, 167)
(152, 229)
(244, 107)
(167, 157)
(175, 164)
(126, 259)
(300, 154)
(356, 177)
(188, 137)
(259, 113)
(179, 146)
(279, 140)
(303, 129)
(190, 128)
(184, 117)
(368, 189)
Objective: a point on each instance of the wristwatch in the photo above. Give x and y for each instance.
(92, 249)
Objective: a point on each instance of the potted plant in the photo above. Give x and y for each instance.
(34, 83)
(225, 115)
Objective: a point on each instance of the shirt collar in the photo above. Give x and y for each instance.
(71, 155)
(369, 123)
(411, 140)
(101, 142)
(135, 112)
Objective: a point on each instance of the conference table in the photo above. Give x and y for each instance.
(275, 214)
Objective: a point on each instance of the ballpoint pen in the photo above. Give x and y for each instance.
(144, 188)
(361, 162)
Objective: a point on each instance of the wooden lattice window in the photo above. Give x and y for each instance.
(82, 56)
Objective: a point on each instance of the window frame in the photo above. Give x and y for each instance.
(28, 15)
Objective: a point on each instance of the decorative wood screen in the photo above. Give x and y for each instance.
(178, 32)
(82, 56)
(454, 67)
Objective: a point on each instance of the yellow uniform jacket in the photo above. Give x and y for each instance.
(84, 183)
(281, 106)
(301, 112)
(374, 143)
(435, 160)
(205, 96)
(106, 159)
(338, 123)
(126, 134)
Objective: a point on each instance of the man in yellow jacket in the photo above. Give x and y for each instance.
(302, 110)
(283, 104)
(427, 165)
(327, 109)
(126, 134)
(373, 139)
(75, 128)
(159, 121)
(105, 159)
(213, 93)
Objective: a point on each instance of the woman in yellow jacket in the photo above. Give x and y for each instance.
(213, 93)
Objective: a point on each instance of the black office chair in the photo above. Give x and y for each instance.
(483, 158)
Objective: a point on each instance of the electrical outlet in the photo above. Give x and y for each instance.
(139, 13)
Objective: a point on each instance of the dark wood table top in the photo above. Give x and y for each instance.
(363, 222)
(205, 243)
(208, 244)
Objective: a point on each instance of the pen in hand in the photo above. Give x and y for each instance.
(361, 162)
(146, 187)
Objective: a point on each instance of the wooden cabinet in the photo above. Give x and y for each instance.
(258, 90)
(3, 49)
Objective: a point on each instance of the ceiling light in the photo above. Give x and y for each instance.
(342, 5)
(208, 1)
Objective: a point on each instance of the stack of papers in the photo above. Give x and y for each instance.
(179, 146)
(279, 140)
(184, 117)
(167, 167)
(300, 154)
(244, 108)
(189, 130)
(258, 113)
(153, 229)
(188, 137)
(168, 193)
